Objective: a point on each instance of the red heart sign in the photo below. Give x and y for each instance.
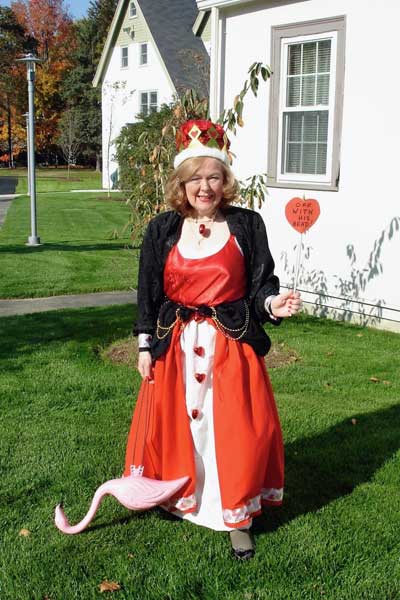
(302, 214)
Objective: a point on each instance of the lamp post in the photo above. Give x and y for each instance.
(28, 158)
(31, 60)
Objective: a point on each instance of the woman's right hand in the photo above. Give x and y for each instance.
(145, 365)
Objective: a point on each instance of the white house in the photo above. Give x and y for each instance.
(150, 55)
(326, 127)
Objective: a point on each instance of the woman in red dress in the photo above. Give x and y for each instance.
(206, 285)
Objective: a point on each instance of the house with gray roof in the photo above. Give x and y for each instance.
(151, 55)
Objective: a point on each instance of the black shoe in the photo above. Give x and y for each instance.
(240, 554)
(242, 544)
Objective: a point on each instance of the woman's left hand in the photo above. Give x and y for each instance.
(286, 305)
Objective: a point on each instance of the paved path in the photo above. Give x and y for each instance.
(103, 191)
(5, 202)
(34, 305)
(8, 184)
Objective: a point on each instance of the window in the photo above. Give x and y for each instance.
(143, 54)
(132, 10)
(148, 102)
(306, 104)
(124, 57)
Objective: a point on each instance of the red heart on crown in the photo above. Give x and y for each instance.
(200, 377)
(199, 350)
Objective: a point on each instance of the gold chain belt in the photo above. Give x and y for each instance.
(162, 331)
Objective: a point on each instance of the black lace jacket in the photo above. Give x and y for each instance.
(163, 233)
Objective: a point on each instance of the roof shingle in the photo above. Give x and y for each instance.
(184, 55)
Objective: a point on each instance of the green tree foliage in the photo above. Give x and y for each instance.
(101, 13)
(136, 167)
(77, 90)
(145, 151)
(79, 94)
(50, 23)
(12, 39)
(14, 42)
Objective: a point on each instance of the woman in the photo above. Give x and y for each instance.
(206, 285)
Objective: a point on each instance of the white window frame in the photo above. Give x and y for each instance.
(148, 92)
(282, 36)
(131, 16)
(307, 177)
(124, 57)
(143, 64)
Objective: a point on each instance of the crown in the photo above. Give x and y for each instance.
(201, 138)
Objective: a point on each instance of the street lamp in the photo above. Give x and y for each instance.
(28, 158)
(31, 60)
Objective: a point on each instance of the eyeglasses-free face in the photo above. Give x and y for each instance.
(204, 189)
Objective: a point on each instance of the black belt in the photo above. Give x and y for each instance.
(219, 314)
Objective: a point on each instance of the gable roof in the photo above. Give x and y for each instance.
(170, 23)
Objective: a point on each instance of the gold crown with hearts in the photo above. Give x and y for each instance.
(201, 137)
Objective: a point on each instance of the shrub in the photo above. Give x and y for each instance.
(145, 151)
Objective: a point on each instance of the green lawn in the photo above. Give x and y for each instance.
(65, 418)
(78, 253)
(54, 180)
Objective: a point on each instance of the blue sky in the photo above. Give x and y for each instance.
(77, 8)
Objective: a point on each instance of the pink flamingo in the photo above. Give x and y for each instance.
(134, 492)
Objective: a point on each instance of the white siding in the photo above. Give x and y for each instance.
(122, 106)
(367, 199)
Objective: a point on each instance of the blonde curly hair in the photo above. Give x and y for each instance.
(175, 194)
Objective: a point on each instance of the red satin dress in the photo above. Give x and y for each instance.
(210, 413)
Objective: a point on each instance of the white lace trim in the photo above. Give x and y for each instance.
(272, 494)
(187, 503)
(183, 504)
(267, 306)
(236, 515)
(144, 340)
(137, 471)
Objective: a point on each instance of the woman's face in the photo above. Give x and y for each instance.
(204, 189)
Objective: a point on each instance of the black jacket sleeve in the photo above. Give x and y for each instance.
(150, 283)
(264, 282)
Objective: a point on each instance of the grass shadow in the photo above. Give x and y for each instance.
(22, 335)
(319, 469)
(330, 465)
(64, 247)
(8, 185)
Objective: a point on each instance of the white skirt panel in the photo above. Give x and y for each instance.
(197, 345)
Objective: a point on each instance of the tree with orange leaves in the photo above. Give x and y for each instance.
(13, 42)
(49, 22)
